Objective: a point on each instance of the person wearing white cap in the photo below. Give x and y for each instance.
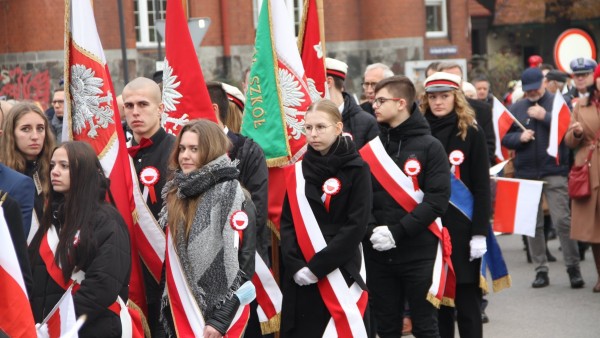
(583, 76)
(237, 100)
(452, 122)
(360, 125)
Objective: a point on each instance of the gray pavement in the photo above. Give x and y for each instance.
(555, 311)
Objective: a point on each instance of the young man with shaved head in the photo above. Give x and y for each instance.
(150, 149)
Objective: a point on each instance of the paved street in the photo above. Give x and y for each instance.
(554, 311)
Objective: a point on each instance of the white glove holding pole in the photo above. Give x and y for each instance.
(478, 247)
(305, 277)
(382, 238)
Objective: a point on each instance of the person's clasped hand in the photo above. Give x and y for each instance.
(382, 238)
(478, 247)
(305, 277)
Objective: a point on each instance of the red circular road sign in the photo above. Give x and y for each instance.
(571, 44)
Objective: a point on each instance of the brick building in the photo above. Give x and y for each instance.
(356, 31)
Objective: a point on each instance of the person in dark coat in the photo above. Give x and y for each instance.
(92, 240)
(452, 122)
(342, 215)
(533, 162)
(373, 74)
(149, 148)
(22, 189)
(483, 111)
(400, 265)
(361, 125)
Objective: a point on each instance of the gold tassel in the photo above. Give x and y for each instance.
(502, 283)
(433, 300)
(272, 325)
(448, 302)
(278, 162)
(483, 285)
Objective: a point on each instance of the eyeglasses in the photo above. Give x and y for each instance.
(381, 100)
(369, 84)
(58, 102)
(319, 128)
(582, 74)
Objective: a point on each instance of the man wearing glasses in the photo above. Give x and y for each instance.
(58, 103)
(373, 74)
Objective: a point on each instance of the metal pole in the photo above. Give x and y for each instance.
(158, 37)
(123, 44)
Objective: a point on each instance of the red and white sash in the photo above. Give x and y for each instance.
(345, 304)
(48, 252)
(150, 237)
(401, 188)
(268, 297)
(187, 315)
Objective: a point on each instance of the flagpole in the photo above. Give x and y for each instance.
(123, 45)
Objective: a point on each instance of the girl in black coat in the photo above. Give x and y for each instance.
(452, 122)
(342, 217)
(92, 238)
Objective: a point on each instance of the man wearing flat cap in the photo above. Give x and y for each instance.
(583, 76)
(360, 125)
(533, 162)
(555, 81)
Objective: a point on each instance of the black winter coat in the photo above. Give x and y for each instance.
(343, 228)
(360, 124)
(14, 221)
(474, 173)
(254, 177)
(106, 277)
(484, 117)
(157, 156)
(531, 159)
(411, 140)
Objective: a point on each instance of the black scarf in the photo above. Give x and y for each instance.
(443, 127)
(318, 168)
(198, 181)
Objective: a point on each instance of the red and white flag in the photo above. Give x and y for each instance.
(90, 116)
(16, 319)
(184, 91)
(62, 318)
(517, 202)
(311, 43)
(502, 119)
(561, 118)
(268, 296)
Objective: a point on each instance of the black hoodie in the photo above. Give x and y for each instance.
(411, 140)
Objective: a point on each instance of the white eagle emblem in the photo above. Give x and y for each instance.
(86, 90)
(170, 99)
(315, 94)
(292, 97)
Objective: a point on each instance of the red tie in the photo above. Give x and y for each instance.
(144, 143)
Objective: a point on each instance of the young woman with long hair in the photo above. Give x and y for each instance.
(324, 219)
(452, 122)
(27, 145)
(209, 217)
(82, 240)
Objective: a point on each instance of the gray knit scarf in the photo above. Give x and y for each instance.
(208, 257)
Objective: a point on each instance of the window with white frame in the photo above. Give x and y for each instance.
(294, 7)
(145, 16)
(436, 18)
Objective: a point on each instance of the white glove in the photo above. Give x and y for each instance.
(382, 238)
(305, 277)
(42, 330)
(478, 247)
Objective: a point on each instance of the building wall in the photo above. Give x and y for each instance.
(359, 32)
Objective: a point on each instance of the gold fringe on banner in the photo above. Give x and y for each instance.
(483, 285)
(272, 325)
(502, 283)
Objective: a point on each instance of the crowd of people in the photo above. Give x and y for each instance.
(378, 234)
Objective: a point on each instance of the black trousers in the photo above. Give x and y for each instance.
(467, 313)
(390, 286)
